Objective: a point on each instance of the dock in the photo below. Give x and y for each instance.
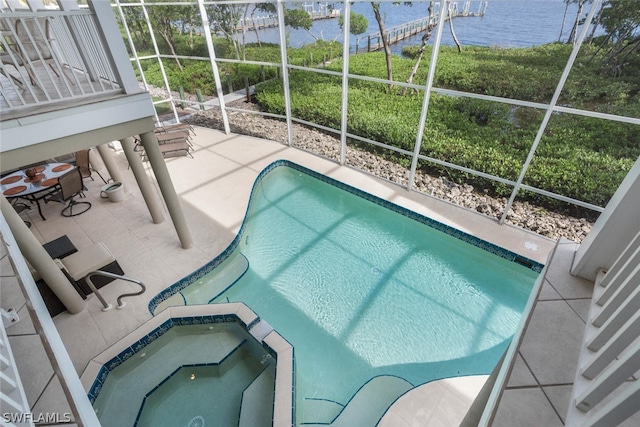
(373, 42)
(324, 11)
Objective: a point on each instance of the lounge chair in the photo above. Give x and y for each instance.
(83, 163)
(29, 40)
(79, 264)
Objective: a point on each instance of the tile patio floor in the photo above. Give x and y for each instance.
(214, 189)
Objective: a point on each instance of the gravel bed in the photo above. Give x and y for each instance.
(522, 214)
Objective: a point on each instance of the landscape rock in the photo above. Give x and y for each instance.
(522, 214)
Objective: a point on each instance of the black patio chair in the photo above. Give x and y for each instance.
(71, 186)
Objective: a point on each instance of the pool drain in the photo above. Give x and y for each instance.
(375, 270)
(197, 421)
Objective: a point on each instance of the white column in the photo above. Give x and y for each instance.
(152, 151)
(109, 162)
(144, 183)
(114, 44)
(41, 261)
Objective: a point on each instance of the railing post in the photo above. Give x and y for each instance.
(12, 396)
(113, 43)
(181, 92)
(200, 99)
(229, 84)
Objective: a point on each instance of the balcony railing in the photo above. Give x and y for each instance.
(606, 390)
(53, 56)
(12, 396)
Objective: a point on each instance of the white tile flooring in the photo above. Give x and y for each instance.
(214, 188)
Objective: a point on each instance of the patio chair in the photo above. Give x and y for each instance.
(83, 163)
(71, 186)
(9, 56)
(32, 43)
(21, 207)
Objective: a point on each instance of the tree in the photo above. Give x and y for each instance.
(137, 27)
(385, 42)
(453, 33)
(297, 19)
(595, 23)
(264, 8)
(226, 18)
(621, 46)
(163, 19)
(190, 23)
(358, 23)
(423, 46)
(574, 30)
(564, 19)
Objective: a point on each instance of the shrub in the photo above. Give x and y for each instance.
(580, 157)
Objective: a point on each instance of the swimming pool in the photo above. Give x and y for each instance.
(368, 293)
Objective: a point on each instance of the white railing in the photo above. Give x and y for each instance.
(13, 400)
(606, 391)
(51, 56)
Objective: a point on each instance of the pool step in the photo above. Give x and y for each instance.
(369, 404)
(257, 400)
(321, 411)
(226, 274)
(172, 301)
(204, 291)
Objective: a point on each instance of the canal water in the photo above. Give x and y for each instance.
(506, 23)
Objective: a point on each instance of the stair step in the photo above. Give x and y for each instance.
(369, 404)
(206, 290)
(320, 411)
(257, 400)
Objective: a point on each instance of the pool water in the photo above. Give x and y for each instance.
(189, 375)
(362, 291)
(200, 392)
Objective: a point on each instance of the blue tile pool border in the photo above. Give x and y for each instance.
(451, 231)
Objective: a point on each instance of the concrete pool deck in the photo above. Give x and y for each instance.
(214, 188)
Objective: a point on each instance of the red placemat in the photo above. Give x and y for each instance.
(40, 169)
(38, 177)
(11, 179)
(61, 168)
(49, 182)
(14, 190)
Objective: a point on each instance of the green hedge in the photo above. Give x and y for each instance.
(579, 157)
(197, 74)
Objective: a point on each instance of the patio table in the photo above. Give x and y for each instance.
(19, 185)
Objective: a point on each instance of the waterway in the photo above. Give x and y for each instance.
(507, 23)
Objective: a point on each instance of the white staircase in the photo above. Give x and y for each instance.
(13, 400)
(607, 390)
